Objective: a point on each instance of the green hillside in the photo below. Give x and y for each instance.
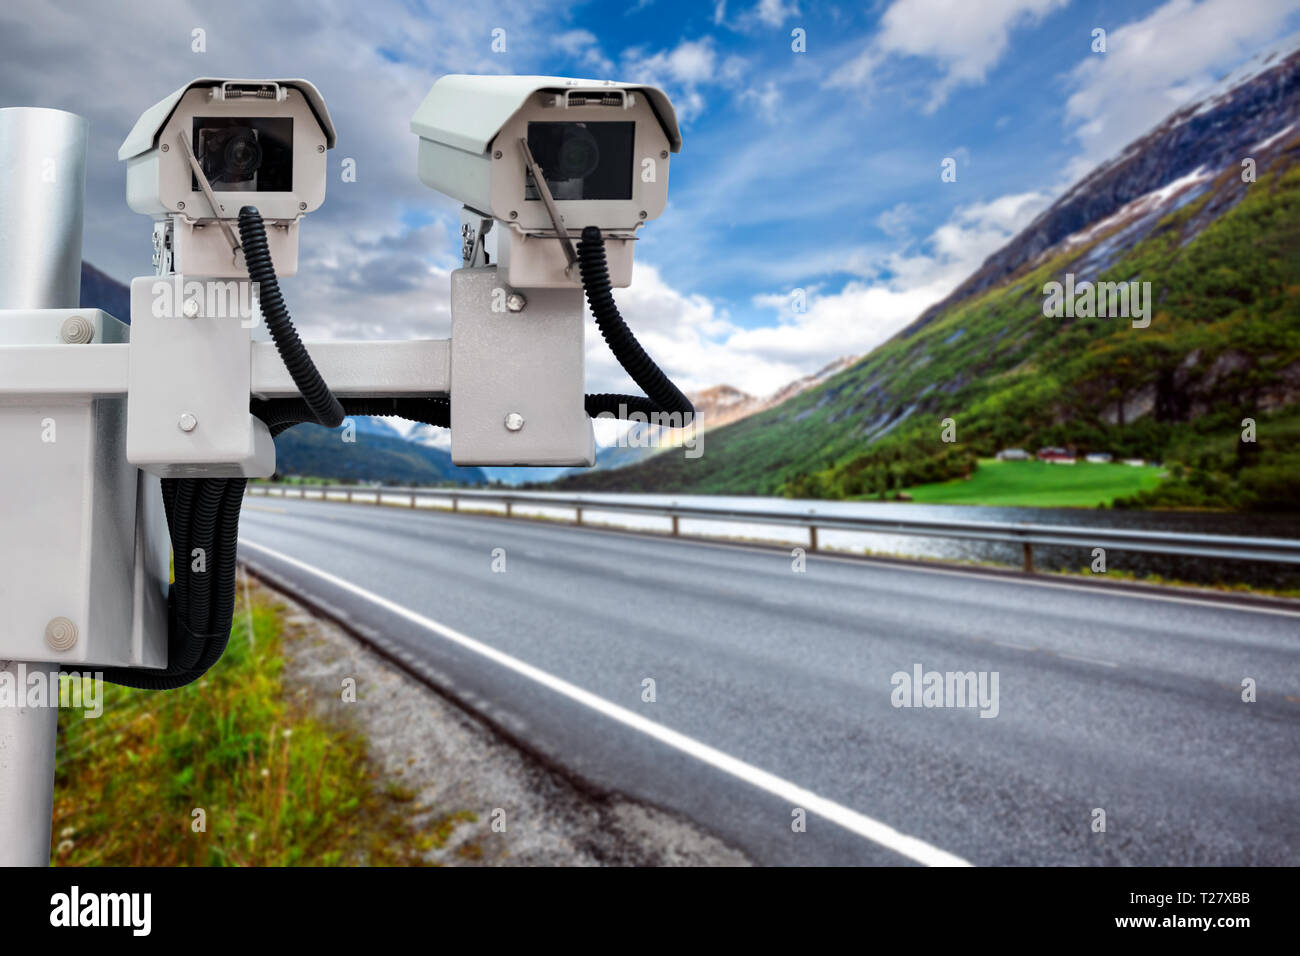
(318, 451)
(1223, 345)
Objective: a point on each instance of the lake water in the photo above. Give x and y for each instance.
(1048, 558)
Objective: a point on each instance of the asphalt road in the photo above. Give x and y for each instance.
(775, 690)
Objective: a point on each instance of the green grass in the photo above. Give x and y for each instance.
(278, 786)
(1037, 484)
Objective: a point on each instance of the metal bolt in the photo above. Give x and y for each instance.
(187, 422)
(496, 154)
(77, 330)
(60, 633)
(514, 422)
(320, 149)
(663, 154)
(180, 205)
(514, 214)
(515, 302)
(302, 205)
(165, 147)
(642, 214)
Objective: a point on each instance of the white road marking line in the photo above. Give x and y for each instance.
(856, 823)
(1085, 660)
(956, 572)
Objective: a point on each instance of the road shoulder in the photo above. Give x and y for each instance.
(433, 754)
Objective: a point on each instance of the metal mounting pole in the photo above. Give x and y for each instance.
(42, 198)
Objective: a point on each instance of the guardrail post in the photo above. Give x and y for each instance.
(509, 509)
(577, 515)
(349, 496)
(412, 499)
(1028, 551)
(812, 537)
(455, 503)
(676, 526)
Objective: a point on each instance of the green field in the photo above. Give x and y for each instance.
(1036, 484)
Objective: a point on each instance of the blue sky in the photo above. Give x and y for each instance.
(815, 170)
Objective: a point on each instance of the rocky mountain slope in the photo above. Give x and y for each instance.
(1217, 238)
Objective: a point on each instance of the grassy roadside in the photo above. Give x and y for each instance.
(1037, 484)
(229, 771)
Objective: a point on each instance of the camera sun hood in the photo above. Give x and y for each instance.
(144, 135)
(467, 112)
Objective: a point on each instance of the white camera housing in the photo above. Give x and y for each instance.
(290, 129)
(470, 129)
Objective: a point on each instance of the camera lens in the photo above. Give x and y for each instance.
(584, 160)
(243, 155)
(578, 154)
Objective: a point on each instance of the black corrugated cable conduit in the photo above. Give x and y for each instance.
(203, 513)
(661, 394)
(257, 256)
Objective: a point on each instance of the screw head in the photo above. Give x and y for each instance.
(60, 634)
(514, 422)
(642, 214)
(663, 154)
(187, 422)
(515, 302)
(302, 205)
(320, 149)
(496, 154)
(514, 214)
(77, 330)
(180, 205)
(165, 147)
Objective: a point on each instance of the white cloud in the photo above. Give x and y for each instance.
(775, 12)
(690, 62)
(1154, 65)
(695, 342)
(685, 72)
(965, 39)
(896, 222)
(361, 272)
(583, 46)
(766, 99)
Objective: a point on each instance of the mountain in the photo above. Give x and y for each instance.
(715, 407)
(1176, 209)
(98, 291)
(723, 404)
(801, 385)
(316, 451)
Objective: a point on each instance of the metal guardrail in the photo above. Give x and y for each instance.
(1027, 535)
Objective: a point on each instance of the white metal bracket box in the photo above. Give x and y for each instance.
(517, 376)
(83, 575)
(190, 380)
